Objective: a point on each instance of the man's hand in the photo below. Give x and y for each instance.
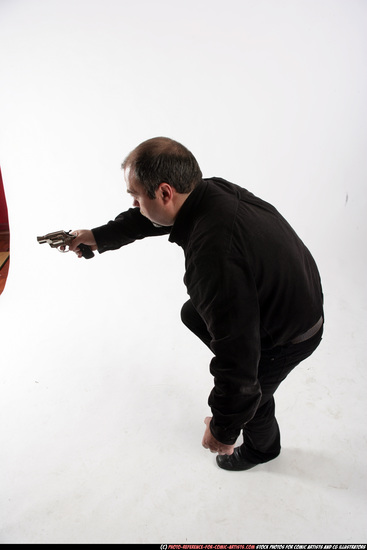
(215, 446)
(83, 236)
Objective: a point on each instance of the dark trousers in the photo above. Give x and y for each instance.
(261, 435)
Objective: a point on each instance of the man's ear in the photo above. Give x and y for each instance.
(165, 192)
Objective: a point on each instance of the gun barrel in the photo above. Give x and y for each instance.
(56, 239)
(63, 238)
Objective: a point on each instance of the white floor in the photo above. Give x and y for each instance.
(103, 405)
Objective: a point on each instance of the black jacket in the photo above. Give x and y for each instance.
(249, 276)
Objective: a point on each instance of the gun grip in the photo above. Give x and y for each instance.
(86, 251)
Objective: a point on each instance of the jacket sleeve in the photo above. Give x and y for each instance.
(223, 291)
(126, 228)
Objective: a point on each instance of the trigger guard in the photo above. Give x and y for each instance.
(63, 251)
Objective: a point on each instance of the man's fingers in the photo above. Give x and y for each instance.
(214, 446)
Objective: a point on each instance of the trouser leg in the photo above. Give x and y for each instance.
(261, 435)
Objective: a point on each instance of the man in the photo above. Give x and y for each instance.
(255, 293)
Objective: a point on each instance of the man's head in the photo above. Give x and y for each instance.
(160, 173)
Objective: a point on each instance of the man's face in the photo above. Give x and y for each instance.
(153, 209)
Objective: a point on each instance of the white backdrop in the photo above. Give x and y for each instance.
(100, 383)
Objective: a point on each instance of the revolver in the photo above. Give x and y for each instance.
(64, 238)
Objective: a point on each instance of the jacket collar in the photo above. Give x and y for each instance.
(183, 223)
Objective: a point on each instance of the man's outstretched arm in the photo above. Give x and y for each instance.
(126, 228)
